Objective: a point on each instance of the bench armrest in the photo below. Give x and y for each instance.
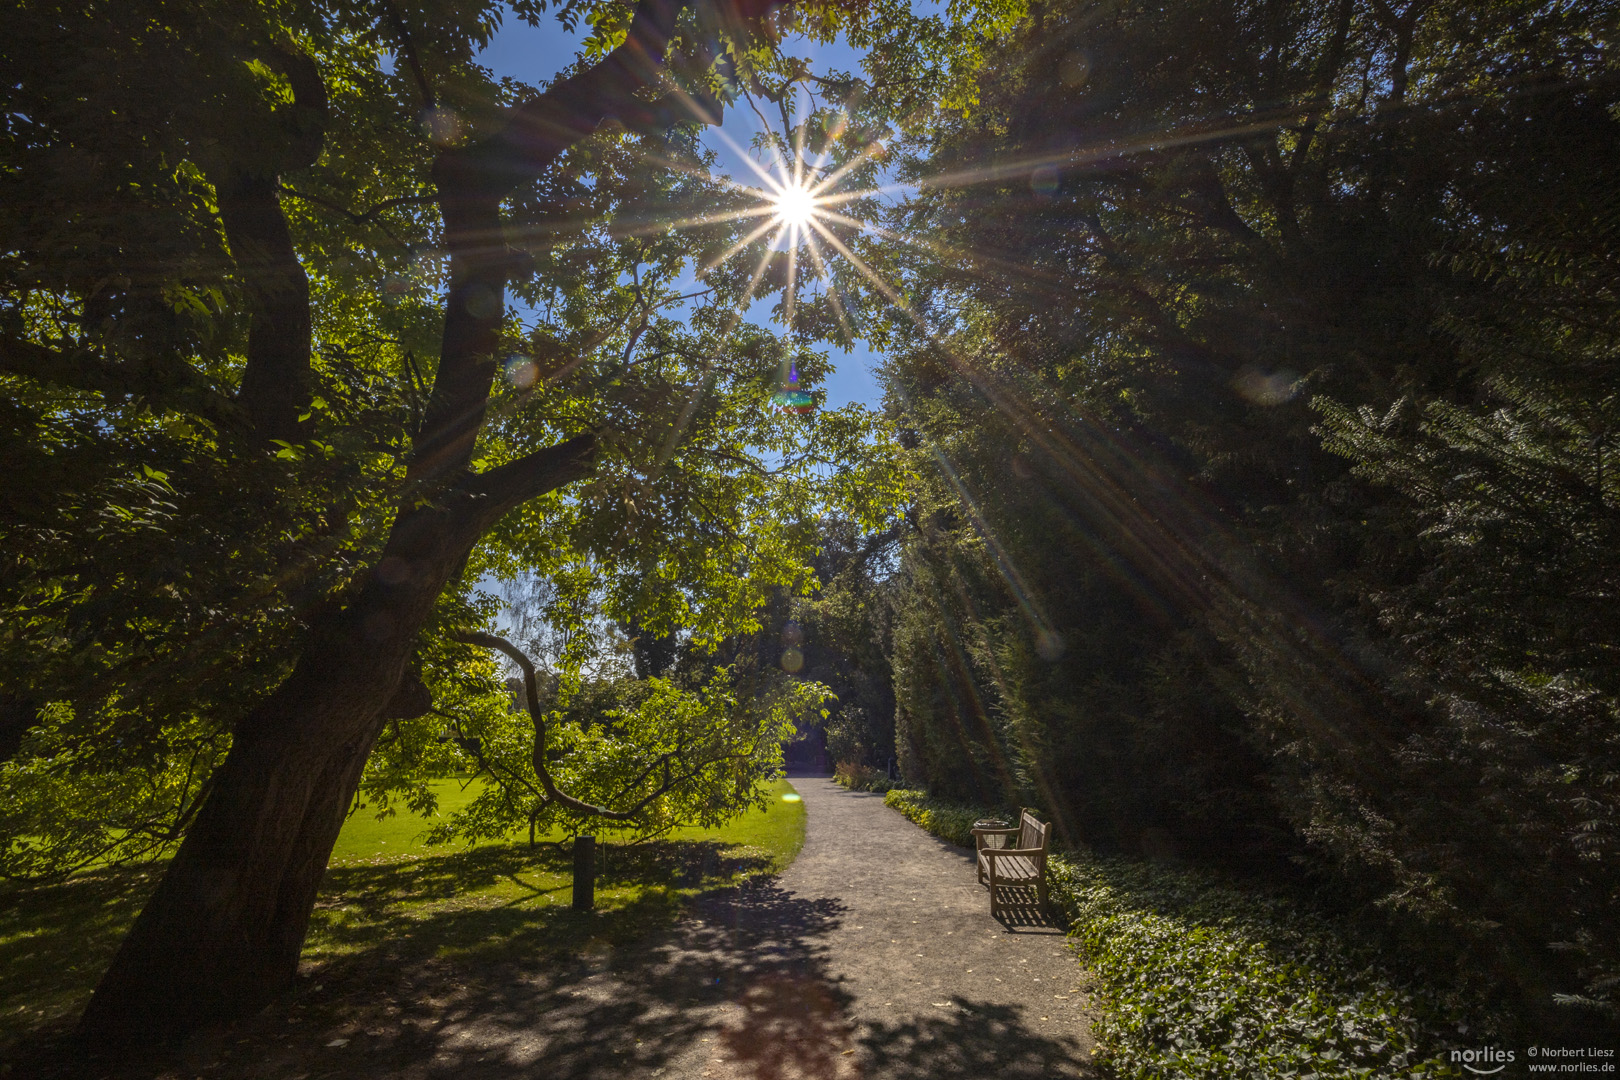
(997, 852)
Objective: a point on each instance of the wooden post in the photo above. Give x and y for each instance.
(584, 872)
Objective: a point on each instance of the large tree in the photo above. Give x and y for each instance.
(265, 381)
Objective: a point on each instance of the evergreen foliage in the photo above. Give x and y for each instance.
(1260, 365)
(845, 627)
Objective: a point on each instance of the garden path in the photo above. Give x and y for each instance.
(875, 956)
(872, 957)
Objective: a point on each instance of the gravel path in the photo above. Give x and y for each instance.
(890, 965)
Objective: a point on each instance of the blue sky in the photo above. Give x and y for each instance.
(536, 54)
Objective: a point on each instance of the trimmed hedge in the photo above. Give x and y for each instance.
(949, 820)
(1193, 977)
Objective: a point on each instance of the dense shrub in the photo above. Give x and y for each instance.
(1265, 499)
(862, 777)
(1195, 978)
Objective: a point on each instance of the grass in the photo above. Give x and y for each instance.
(509, 899)
(56, 939)
(389, 897)
(1196, 976)
(365, 837)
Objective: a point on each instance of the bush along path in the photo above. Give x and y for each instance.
(1192, 976)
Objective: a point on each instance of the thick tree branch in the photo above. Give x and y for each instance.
(303, 123)
(275, 384)
(508, 486)
(1327, 73)
(571, 109)
(1401, 26)
(407, 48)
(473, 180)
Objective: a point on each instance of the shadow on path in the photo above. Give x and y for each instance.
(979, 1041)
(775, 979)
(740, 990)
(1021, 911)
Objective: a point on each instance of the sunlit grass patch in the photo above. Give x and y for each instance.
(776, 833)
(511, 898)
(365, 836)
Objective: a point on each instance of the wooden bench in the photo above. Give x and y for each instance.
(1024, 863)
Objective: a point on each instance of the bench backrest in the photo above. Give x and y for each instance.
(1031, 833)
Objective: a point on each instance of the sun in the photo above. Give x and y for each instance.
(795, 205)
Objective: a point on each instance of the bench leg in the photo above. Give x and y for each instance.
(995, 907)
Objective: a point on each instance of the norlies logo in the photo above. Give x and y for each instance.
(1483, 1062)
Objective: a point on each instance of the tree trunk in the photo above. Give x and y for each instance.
(222, 934)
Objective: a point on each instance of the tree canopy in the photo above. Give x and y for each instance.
(146, 609)
(311, 325)
(1260, 364)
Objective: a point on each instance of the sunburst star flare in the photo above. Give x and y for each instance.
(795, 205)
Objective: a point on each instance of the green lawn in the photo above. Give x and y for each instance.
(507, 899)
(364, 837)
(388, 898)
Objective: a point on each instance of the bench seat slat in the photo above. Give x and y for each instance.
(1017, 868)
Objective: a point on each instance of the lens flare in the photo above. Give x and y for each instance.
(791, 399)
